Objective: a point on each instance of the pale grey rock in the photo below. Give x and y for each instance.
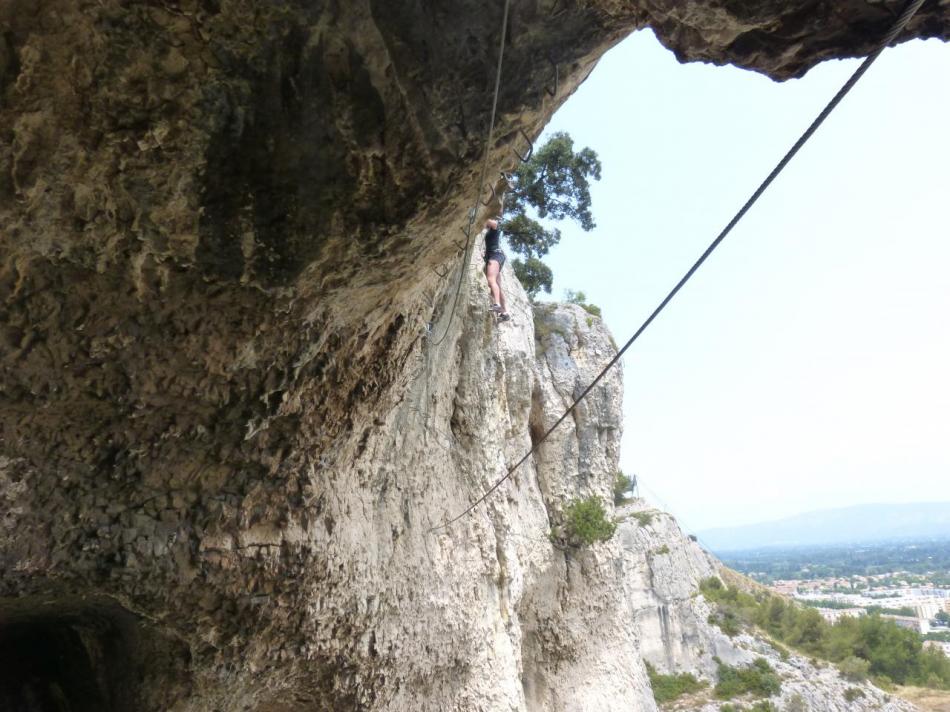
(662, 572)
(393, 611)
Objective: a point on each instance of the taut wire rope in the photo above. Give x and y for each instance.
(481, 180)
(895, 30)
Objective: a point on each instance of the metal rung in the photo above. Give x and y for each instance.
(486, 203)
(527, 156)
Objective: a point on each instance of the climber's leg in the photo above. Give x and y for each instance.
(492, 269)
(501, 292)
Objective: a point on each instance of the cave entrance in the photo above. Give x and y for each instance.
(66, 662)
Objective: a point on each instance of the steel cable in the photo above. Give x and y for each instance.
(895, 30)
(481, 180)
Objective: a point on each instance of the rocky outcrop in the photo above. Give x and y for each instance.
(224, 437)
(661, 574)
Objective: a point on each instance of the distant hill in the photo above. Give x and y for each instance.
(858, 524)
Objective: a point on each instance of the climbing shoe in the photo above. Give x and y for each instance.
(504, 316)
(496, 308)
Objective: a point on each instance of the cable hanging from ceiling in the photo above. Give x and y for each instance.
(481, 180)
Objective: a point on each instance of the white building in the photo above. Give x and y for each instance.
(833, 615)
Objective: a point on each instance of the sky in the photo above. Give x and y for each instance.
(807, 364)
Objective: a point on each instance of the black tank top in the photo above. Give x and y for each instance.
(492, 240)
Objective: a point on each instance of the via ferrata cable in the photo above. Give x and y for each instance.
(481, 180)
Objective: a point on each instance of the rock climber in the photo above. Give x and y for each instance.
(494, 261)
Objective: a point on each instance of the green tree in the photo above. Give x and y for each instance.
(622, 487)
(534, 275)
(554, 184)
(587, 522)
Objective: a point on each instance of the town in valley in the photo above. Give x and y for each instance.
(907, 582)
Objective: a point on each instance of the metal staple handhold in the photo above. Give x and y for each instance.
(553, 92)
(527, 156)
(486, 203)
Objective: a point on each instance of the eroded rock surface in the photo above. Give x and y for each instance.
(661, 572)
(223, 433)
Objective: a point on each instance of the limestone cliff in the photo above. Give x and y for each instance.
(224, 435)
(385, 613)
(390, 611)
(660, 572)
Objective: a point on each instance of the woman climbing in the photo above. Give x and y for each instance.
(494, 261)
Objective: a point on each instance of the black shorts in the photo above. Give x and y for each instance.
(498, 256)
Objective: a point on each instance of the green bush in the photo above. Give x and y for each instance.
(580, 299)
(883, 682)
(622, 486)
(726, 621)
(667, 688)
(587, 521)
(761, 706)
(796, 703)
(854, 669)
(643, 518)
(758, 680)
(780, 649)
(734, 609)
(853, 693)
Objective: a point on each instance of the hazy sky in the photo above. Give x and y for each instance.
(807, 364)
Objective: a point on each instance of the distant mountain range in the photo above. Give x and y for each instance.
(859, 524)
